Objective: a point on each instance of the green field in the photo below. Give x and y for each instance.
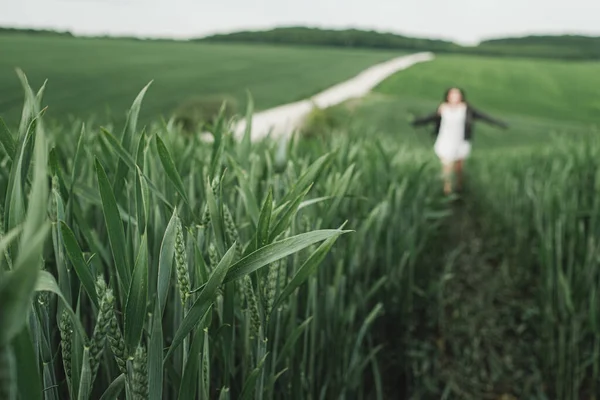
(147, 264)
(87, 76)
(539, 99)
(552, 90)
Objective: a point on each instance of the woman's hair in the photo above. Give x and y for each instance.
(462, 93)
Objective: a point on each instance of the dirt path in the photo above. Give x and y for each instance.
(471, 335)
(284, 119)
(486, 347)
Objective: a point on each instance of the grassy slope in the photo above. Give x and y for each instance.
(87, 75)
(546, 89)
(489, 341)
(538, 99)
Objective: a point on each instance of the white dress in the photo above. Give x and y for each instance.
(450, 144)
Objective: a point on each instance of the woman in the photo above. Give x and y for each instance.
(454, 130)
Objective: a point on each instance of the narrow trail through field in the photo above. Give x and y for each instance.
(285, 119)
(479, 347)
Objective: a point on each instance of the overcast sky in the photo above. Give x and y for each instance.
(465, 21)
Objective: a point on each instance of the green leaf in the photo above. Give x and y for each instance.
(218, 149)
(292, 339)
(5, 241)
(155, 356)
(28, 378)
(7, 140)
(128, 132)
(362, 332)
(291, 210)
(76, 257)
(278, 250)
(17, 292)
(116, 234)
(85, 382)
(250, 384)
(339, 193)
(170, 169)
(216, 219)
(247, 139)
(113, 391)
(119, 149)
(165, 262)
(203, 302)
(224, 395)
(77, 160)
(17, 288)
(64, 278)
(46, 283)
(245, 191)
(308, 177)
(135, 308)
(141, 200)
(307, 269)
(189, 380)
(308, 203)
(264, 221)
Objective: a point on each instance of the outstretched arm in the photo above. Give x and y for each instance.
(428, 119)
(484, 117)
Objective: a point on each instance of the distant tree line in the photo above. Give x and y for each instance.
(337, 38)
(562, 47)
(5, 30)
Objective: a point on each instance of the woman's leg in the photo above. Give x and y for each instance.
(458, 170)
(447, 174)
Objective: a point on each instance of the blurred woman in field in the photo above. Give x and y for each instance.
(454, 120)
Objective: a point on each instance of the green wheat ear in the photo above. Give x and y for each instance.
(101, 330)
(205, 221)
(272, 285)
(213, 258)
(113, 333)
(65, 328)
(252, 307)
(232, 233)
(183, 277)
(117, 343)
(140, 375)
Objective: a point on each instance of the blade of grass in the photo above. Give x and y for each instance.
(135, 308)
(17, 292)
(264, 221)
(278, 250)
(216, 219)
(76, 257)
(155, 356)
(189, 380)
(170, 169)
(113, 391)
(128, 133)
(85, 382)
(292, 339)
(203, 302)
(28, 378)
(7, 140)
(307, 269)
(250, 384)
(283, 222)
(116, 234)
(46, 283)
(165, 263)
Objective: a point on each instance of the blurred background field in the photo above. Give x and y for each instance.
(100, 77)
(327, 265)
